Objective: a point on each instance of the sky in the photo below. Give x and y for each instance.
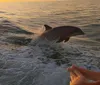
(23, 0)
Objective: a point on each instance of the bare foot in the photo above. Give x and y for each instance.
(80, 76)
(77, 78)
(92, 75)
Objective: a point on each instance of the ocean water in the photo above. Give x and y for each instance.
(25, 59)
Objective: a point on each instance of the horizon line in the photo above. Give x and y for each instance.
(27, 1)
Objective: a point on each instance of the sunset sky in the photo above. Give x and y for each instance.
(23, 0)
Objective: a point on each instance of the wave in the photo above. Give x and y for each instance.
(93, 25)
(2, 12)
(8, 26)
(40, 62)
(44, 63)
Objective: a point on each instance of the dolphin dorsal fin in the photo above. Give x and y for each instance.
(47, 27)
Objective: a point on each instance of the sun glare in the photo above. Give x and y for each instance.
(24, 0)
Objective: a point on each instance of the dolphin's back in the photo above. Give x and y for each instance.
(63, 30)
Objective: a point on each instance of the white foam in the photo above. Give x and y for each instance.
(33, 64)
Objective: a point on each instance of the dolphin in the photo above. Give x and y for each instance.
(61, 33)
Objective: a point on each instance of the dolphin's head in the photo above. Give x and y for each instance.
(77, 31)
